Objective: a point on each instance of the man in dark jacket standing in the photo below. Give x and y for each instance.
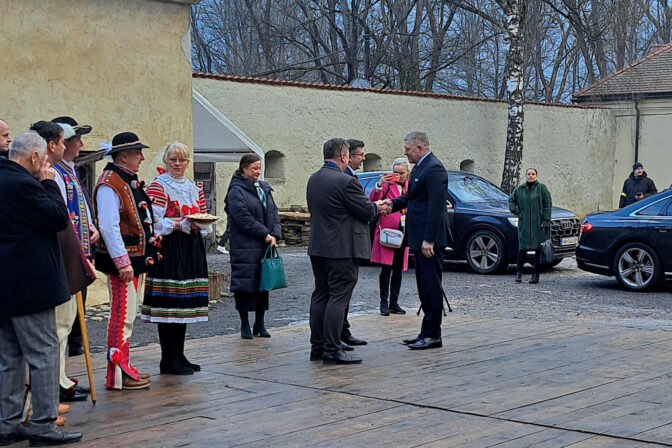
(339, 237)
(425, 201)
(637, 187)
(32, 213)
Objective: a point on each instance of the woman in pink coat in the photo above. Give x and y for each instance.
(394, 261)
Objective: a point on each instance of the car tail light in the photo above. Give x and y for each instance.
(586, 226)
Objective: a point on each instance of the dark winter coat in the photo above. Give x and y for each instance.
(532, 205)
(635, 184)
(31, 215)
(248, 225)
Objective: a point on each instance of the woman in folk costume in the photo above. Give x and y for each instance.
(176, 291)
(394, 261)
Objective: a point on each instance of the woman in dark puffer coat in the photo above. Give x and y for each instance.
(253, 223)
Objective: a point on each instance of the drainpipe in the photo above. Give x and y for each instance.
(638, 118)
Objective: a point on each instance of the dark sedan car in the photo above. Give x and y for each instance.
(483, 230)
(633, 243)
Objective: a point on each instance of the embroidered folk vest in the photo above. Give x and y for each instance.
(136, 221)
(77, 206)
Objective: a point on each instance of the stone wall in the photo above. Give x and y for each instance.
(572, 147)
(117, 65)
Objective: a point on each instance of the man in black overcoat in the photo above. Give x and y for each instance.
(339, 237)
(425, 202)
(34, 284)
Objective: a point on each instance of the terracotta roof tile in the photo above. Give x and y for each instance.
(315, 85)
(650, 75)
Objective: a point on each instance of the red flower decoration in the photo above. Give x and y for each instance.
(173, 209)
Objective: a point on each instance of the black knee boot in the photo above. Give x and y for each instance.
(170, 363)
(245, 331)
(258, 328)
(181, 333)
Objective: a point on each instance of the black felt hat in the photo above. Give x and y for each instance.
(124, 141)
(80, 129)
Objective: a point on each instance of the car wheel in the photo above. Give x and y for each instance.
(485, 252)
(637, 267)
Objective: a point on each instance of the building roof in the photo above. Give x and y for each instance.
(648, 77)
(311, 85)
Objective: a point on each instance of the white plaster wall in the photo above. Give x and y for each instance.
(573, 148)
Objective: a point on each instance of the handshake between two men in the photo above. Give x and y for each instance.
(385, 208)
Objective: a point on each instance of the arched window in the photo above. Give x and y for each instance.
(275, 166)
(467, 165)
(373, 162)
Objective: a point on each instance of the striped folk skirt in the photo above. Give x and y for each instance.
(176, 288)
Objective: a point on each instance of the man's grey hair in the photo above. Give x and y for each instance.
(24, 145)
(333, 148)
(401, 161)
(418, 137)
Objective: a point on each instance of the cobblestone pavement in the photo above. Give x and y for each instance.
(564, 293)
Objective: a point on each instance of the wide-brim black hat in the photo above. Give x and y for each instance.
(80, 129)
(124, 141)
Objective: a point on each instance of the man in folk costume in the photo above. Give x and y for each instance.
(79, 204)
(86, 234)
(125, 252)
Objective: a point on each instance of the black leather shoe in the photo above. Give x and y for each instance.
(174, 367)
(519, 277)
(425, 343)
(346, 347)
(535, 279)
(71, 394)
(384, 309)
(351, 340)
(82, 389)
(411, 341)
(341, 358)
(13, 437)
(55, 437)
(396, 309)
(316, 355)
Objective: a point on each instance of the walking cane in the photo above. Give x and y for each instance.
(85, 343)
(450, 310)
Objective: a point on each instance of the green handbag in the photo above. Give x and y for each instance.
(272, 271)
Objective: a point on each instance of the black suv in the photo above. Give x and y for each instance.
(483, 230)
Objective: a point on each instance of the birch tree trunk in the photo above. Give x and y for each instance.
(514, 11)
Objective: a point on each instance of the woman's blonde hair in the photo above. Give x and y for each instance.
(176, 148)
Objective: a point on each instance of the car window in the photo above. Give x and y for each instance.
(474, 189)
(654, 209)
(668, 212)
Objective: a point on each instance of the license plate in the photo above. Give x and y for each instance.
(569, 241)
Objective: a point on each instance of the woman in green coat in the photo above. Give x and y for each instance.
(531, 203)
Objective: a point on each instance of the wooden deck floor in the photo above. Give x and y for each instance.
(496, 382)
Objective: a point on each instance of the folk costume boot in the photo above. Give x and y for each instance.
(384, 308)
(245, 331)
(258, 328)
(535, 278)
(170, 363)
(181, 335)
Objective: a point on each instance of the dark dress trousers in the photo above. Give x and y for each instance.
(425, 202)
(339, 237)
(34, 283)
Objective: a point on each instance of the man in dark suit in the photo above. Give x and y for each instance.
(425, 202)
(33, 212)
(357, 156)
(339, 237)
